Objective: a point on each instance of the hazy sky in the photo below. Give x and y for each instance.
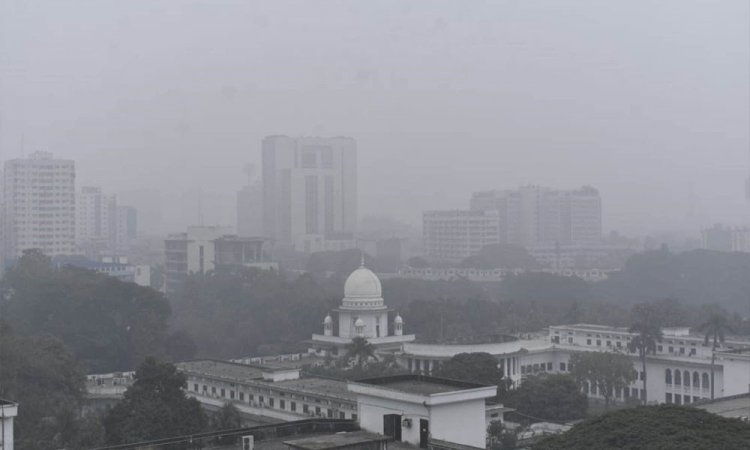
(647, 100)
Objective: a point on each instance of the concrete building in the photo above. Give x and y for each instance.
(362, 314)
(8, 411)
(39, 194)
(204, 249)
(250, 211)
(726, 239)
(454, 235)
(532, 216)
(678, 373)
(273, 391)
(116, 267)
(309, 190)
(95, 220)
(421, 410)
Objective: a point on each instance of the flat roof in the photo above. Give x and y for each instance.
(317, 386)
(733, 406)
(330, 441)
(223, 369)
(420, 384)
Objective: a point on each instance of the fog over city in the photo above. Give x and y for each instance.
(647, 101)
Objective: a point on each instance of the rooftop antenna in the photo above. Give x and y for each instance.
(362, 254)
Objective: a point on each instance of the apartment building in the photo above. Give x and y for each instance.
(39, 198)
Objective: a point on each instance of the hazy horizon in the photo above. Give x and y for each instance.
(647, 101)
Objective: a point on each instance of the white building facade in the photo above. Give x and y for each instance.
(309, 190)
(363, 314)
(679, 372)
(8, 412)
(39, 194)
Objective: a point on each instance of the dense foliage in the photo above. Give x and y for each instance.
(654, 427)
(155, 406)
(695, 278)
(480, 368)
(108, 324)
(42, 375)
(553, 397)
(608, 372)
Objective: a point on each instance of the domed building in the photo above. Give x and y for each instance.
(362, 314)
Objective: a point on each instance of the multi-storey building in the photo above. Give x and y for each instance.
(204, 249)
(39, 194)
(250, 211)
(309, 191)
(531, 216)
(95, 219)
(455, 235)
(726, 239)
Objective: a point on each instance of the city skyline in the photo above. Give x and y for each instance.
(442, 101)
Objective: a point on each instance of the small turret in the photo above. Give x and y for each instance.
(398, 326)
(328, 325)
(359, 328)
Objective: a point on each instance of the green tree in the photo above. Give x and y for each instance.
(663, 427)
(155, 406)
(646, 325)
(481, 368)
(108, 324)
(715, 328)
(43, 376)
(227, 418)
(501, 438)
(609, 372)
(361, 351)
(550, 397)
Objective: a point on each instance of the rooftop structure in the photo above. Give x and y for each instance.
(8, 411)
(417, 409)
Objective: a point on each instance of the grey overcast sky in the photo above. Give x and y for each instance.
(647, 100)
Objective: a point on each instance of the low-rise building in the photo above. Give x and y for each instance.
(8, 412)
(419, 409)
(273, 391)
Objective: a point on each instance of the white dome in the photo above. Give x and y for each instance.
(398, 319)
(328, 319)
(362, 284)
(359, 323)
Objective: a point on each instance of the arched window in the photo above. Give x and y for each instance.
(677, 377)
(668, 376)
(686, 378)
(705, 381)
(696, 379)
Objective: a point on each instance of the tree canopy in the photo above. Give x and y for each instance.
(660, 427)
(548, 397)
(43, 376)
(155, 406)
(109, 324)
(609, 372)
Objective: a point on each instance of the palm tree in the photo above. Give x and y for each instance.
(647, 333)
(360, 350)
(716, 328)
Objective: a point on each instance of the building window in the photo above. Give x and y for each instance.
(598, 342)
(693, 351)
(609, 343)
(242, 396)
(570, 340)
(260, 399)
(677, 399)
(640, 375)
(682, 350)
(686, 378)
(293, 406)
(342, 415)
(330, 413)
(696, 379)
(282, 404)
(354, 416)
(677, 378)
(205, 388)
(671, 349)
(195, 387)
(549, 366)
(619, 344)
(317, 410)
(686, 399)
(668, 376)
(562, 367)
(250, 398)
(271, 401)
(223, 392)
(705, 384)
(305, 408)
(588, 341)
(668, 398)
(231, 394)
(660, 348)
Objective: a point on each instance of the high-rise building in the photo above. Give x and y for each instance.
(95, 220)
(39, 211)
(125, 228)
(309, 191)
(250, 211)
(455, 235)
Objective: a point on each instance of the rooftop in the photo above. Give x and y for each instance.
(222, 369)
(420, 384)
(338, 440)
